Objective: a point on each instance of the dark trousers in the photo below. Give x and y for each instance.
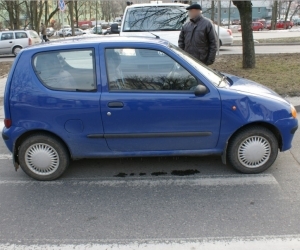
(45, 38)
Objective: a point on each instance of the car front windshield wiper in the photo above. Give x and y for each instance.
(223, 78)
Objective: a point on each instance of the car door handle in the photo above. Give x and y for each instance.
(10, 42)
(115, 105)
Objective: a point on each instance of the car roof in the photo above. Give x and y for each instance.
(156, 4)
(95, 39)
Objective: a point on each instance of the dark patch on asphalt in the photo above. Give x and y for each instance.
(132, 174)
(159, 173)
(120, 175)
(142, 174)
(185, 172)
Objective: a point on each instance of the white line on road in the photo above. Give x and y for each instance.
(5, 156)
(257, 243)
(264, 179)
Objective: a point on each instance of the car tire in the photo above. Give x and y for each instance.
(290, 27)
(16, 50)
(259, 29)
(69, 35)
(252, 150)
(43, 157)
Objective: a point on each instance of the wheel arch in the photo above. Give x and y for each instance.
(266, 125)
(15, 46)
(25, 135)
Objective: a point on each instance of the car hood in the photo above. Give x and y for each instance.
(251, 87)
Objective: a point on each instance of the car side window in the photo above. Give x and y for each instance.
(72, 70)
(146, 70)
(20, 35)
(7, 36)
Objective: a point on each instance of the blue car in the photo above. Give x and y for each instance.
(135, 97)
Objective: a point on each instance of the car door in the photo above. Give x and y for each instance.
(148, 104)
(6, 42)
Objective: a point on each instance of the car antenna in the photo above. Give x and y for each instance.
(156, 36)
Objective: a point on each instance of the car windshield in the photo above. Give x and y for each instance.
(214, 77)
(155, 18)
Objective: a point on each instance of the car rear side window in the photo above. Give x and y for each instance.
(147, 70)
(72, 70)
(20, 35)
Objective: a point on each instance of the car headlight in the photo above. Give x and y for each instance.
(293, 111)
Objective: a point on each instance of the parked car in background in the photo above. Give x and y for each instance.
(167, 25)
(152, 99)
(50, 31)
(282, 25)
(97, 30)
(236, 22)
(256, 26)
(113, 29)
(85, 26)
(11, 42)
(296, 21)
(226, 22)
(105, 25)
(68, 32)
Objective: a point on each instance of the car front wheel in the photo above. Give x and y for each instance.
(43, 157)
(252, 150)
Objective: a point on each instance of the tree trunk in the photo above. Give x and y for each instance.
(46, 13)
(245, 10)
(229, 14)
(212, 17)
(287, 13)
(71, 9)
(274, 15)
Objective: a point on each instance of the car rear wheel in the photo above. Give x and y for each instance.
(16, 50)
(43, 157)
(252, 150)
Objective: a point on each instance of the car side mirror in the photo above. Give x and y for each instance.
(200, 90)
(114, 28)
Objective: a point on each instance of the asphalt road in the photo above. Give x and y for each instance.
(91, 205)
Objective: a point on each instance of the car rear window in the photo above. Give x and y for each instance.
(72, 70)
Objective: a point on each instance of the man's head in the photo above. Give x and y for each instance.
(194, 10)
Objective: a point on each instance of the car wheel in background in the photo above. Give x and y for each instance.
(259, 29)
(252, 150)
(43, 157)
(16, 50)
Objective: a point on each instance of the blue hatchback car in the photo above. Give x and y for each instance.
(134, 97)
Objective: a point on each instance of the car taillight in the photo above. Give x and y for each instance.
(29, 41)
(7, 123)
(229, 32)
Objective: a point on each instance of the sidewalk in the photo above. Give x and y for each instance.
(294, 100)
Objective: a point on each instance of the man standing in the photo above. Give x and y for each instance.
(44, 33)
(198, 36)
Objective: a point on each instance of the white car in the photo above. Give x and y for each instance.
(12, 41)
(68, 32)
(164, 20)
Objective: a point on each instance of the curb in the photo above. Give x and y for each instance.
(268, 44)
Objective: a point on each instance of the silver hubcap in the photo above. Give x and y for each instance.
(42, 159)
(254, 152)
(17, 51)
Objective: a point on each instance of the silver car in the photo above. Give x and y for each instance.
(12, 41)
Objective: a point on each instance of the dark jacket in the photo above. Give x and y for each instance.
(198, 38)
